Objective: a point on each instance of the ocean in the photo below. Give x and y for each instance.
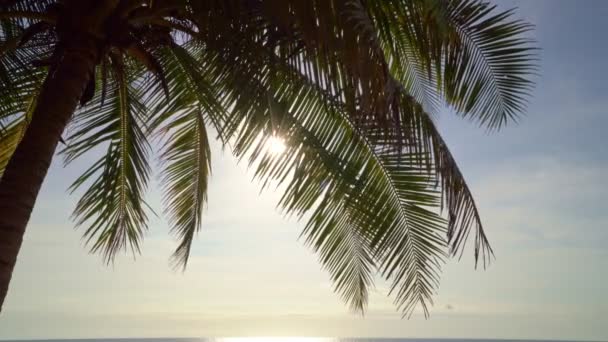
(283, 339)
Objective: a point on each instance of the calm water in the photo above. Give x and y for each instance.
(280, 339)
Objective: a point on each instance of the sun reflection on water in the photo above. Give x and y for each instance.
(276, 339)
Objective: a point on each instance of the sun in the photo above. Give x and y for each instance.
(276, 145)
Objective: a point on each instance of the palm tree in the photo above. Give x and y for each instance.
(350, 86)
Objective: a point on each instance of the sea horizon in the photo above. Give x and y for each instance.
(303, 171)
(292, 339)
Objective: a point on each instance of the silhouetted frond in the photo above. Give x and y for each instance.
(112, 207)
(350, 86)
(185, 153)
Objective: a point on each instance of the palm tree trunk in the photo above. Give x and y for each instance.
(27, 169)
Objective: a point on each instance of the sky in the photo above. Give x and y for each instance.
(540, 186)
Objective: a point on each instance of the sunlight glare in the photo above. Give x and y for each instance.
(276, 339)
(276, 145)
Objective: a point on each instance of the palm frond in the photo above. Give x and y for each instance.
(112, 207)
(478, 58)
(351, 86)
(457, 197)
(20, 46)
(187, 164)
(17, 103)
(9, 139)
(185, 153)
(404, 58)
(340, 245)
(367, 198)
(486, 76)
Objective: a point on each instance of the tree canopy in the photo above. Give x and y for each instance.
(352, 87)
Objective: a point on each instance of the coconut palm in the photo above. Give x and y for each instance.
(350, 86)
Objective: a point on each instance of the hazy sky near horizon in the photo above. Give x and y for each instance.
(541, 187)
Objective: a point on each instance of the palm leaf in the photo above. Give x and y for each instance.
(185, 153)
(351, 86)
(112, 206)
(17, 103)
(479, 58)
(366, 198)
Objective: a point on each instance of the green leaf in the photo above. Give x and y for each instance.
(112, 206)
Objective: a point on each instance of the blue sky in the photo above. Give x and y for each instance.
(540, 185)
